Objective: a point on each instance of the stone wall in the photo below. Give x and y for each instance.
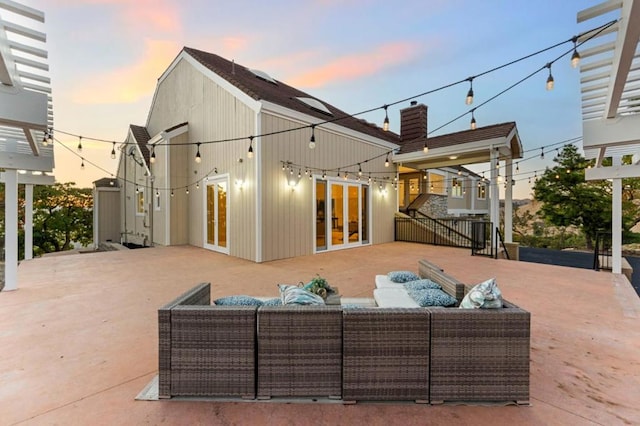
(435, 206)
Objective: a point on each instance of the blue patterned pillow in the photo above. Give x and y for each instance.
(432, 297)
(238, 301)
(353, 306)
(421, 285)
(402, 276)
(272, 302)
(294, 295)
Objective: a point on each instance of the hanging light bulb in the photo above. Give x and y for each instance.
(172, 192)
(369, 180)
(152, 160)
(385, 124)
(299, 173)
(338, 175)
(187, 190)
(215, 170)
(425, 148)
(518, 167)
(473, 120)
(45, 138)
(324, 174)
(529, 180)
(113, 151)
(50, 136)
(82, 164)
(198, 184)
(198, 157)
(386, 162)
(575, 58)
(157, 193)
(550, 81)
(79, 143)
(359, 170)
(469, 99)
(250, 152)
(283, 166)
(542, 153)
(312, 140)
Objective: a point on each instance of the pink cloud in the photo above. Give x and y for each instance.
(352, 67)
(155, 15)
(130, 83)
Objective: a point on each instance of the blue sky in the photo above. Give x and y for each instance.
(106, 56)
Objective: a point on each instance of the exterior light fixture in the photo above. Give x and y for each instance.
(575, 58)
(469, 99)
(312, 140)
(550, 81)
(385, 124)
(198, 157)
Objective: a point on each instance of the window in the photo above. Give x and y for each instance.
(456, 188)
(482, 191)
(436, 184)
(140, 201)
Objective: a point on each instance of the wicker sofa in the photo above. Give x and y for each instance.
(420, 354)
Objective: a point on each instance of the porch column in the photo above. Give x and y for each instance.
(616, 221)
(494, 192)
(508, 202)
(11, 230)
(28, 221)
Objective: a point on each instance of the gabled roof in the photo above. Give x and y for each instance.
(501, 130)
(141, 136)
(280, 93)
(106, 183)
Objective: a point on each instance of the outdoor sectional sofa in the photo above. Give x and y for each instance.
(427, 355)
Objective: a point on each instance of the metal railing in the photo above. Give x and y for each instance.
(602, 251)
(450, 232)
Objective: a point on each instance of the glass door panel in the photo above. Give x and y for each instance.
(337, 214)
(216, 214)
(364, 206)
(321, 215)
(221, 189)
(211, 215)
(353, 214)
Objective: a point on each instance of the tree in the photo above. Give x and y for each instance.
(570, 200)
(62, 214)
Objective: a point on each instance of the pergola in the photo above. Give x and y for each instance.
(611, 104)
(25, 116)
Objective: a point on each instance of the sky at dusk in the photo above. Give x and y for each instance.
(106, 56)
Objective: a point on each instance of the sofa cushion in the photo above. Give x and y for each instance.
(276, 301)
(485, 295)
(393, 298)
(383, 281)
(241, 300)
(402, 276)
(294, 295)
(432, 297)
(422, 284)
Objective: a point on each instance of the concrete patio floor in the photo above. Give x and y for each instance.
(79, 338)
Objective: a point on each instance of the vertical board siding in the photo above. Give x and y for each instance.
(108, 216)
(288, 227)
(213, 114)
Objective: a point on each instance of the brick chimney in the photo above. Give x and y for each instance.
(413, 122)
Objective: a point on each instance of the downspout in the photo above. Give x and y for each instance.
(125, 200)
(151, 208)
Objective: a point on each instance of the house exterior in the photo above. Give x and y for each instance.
(285, 200)
(237, 162)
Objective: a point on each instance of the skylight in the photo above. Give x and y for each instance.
(263, 75)
(315, 104)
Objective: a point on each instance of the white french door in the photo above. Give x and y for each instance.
(216, 215)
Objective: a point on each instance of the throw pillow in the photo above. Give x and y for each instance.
(485, 295)
(238, 300)
(421, 285)
(432, 297)
(402, 276)
(272, 302)
(294, 295)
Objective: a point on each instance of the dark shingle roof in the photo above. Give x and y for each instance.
(106, 183)
(282, 94)
(141, 136)
(459, 138)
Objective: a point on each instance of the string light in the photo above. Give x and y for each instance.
(469, 99)
(575, 57)
(518, 167)
(250, 152)
(385, 123)
(198, 157)
(197, 184)
(113, 151)
(324, 174)
(187, 191)
(45, 140)
(157, 193)
(473, 119)
(386, 162)
(79, 143)
(172, 192)
(542, 153)
(359, 170)
(152, 159)
(82, 164)
(312, 139)
(425, 148)
(550, 82)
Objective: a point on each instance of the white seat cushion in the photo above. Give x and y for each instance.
(393, 298)
(382, 281)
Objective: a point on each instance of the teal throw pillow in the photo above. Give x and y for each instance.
(238, 301)
(402, 276)
(422, 285)
(432, 297)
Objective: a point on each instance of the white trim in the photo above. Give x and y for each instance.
(28, 222)
(167, 182)
(258, 192)
(305, 119)
(461, 212)
(11, 230)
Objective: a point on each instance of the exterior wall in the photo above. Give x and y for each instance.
(107, 209)
(435, 206)
(161, 198)
(288, 215)
(213, 114)
(134, 226)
